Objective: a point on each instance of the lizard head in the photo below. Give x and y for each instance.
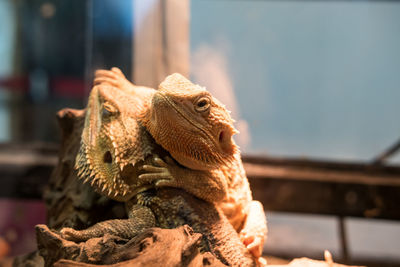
(108, 139)
(193, 126)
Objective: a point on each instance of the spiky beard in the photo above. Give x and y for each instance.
(105, 178)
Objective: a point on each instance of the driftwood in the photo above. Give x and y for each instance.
(154, 247)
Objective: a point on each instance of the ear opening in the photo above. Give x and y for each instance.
(107, 157)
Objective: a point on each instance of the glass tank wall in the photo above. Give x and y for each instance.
(316, 79)
(50, 50)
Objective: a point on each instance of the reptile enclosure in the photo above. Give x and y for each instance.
(313, 86)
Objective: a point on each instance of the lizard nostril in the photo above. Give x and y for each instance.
(107, 158)
(221, 136)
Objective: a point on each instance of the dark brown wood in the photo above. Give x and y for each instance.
(332, 198)
(365, 167)
(325, 188)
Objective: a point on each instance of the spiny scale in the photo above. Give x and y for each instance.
(80, 171)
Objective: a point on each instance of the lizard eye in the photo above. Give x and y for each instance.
(108, 110)
(202, 104)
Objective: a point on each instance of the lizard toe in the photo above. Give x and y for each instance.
(165, 182)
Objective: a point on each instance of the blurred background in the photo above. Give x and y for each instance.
(314, 87)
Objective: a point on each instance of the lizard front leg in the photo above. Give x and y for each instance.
(254, 229)
(140, 219)
(210, 186)
(113, 77)
(116, 78)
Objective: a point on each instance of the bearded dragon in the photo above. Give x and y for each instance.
(113, 152)
(196, 130)
(188, 124)
(115, 147)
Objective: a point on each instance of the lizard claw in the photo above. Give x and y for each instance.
(113, 77)
(163, 182)
(159, 162)
(254, 244)
(159, 173)
(261, 262)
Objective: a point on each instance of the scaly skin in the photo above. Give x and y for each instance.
(115, 150)
(196, 129)
(171, 208)
(112, 142)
